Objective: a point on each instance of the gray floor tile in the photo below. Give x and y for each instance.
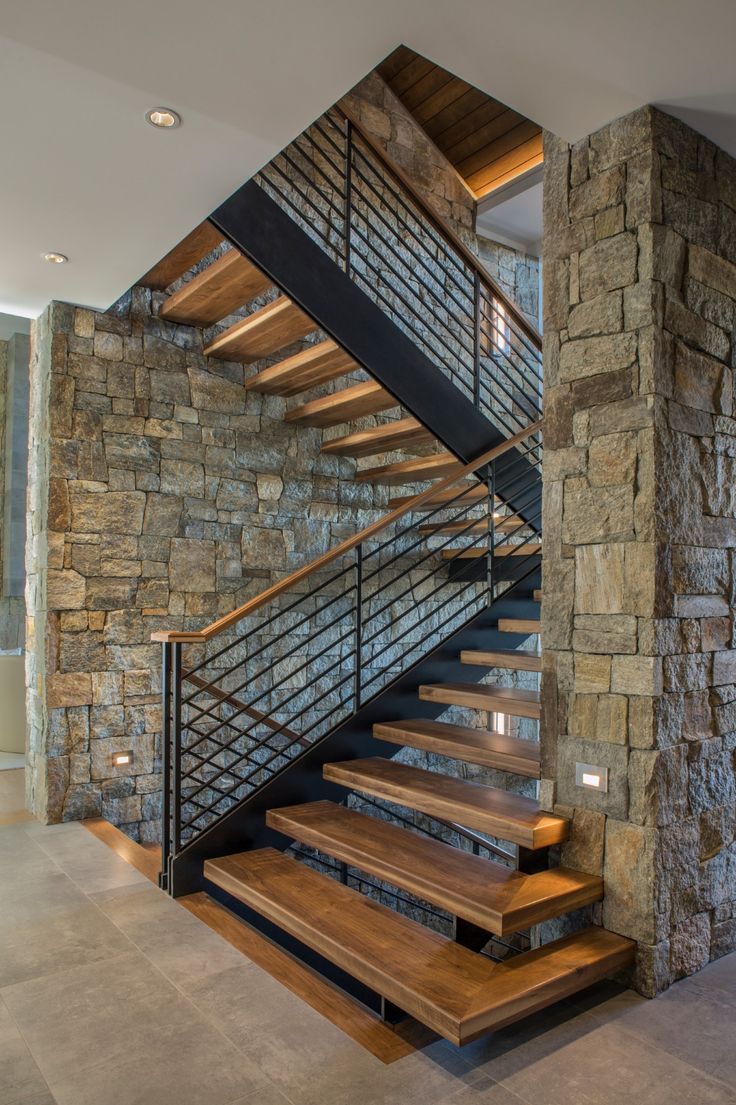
(20, 1077)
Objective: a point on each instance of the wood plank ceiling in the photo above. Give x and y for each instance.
(488, 143)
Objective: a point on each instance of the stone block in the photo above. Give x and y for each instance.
(607, 265)
(106, 511)
(602, 315)
(690, 946)
(713, 271)
(211, 392)
(596, 514)
(182, 477)
(592, 674)
(602, 190)
(629, 873)
(192, 565)
(633, 675)
(702, 382)
(584, 850)
(658, 786)
(66, 590)
(571, 750)
(593, 356)
(73, 689)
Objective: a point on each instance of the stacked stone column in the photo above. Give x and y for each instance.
(640, 528)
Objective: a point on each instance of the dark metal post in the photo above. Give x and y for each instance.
(163, 875)
(491, 481)
(176, 751)
(476, 340)
(358, 625)
(348, 185)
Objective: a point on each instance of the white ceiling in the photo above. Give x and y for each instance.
(513, 215)
(83, 174)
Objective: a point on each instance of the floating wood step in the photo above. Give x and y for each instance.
(458, 742)
(476, 696)
(380, 439)
(197, 244)
(468, 527)
(499, 813)
(490, 895)
(514, 659)
(222, 288)
(315, 365)
(452, 496)
(453, 990)
(411, 471)
(263, 332)
(528, 549)
(519, 625)
(353, 402)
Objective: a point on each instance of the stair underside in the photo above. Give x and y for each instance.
(263, 332)
(315, 365)
(470, 526)
(452, 990)
(192, 249)
(380, 439)
(408, 471)
(499, 813)
(494, 897)
(453, 496)
(504, 700)
(527, 549)
(353, 402)
(215, 293)
(511, 658)
(475, 746)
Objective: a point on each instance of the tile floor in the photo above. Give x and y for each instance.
(112, 994)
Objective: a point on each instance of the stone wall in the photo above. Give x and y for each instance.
(639, 529)
(517, 274)
(173, 496)
(13, 448)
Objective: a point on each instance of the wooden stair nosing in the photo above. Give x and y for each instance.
(380, 439)
(490, 895)
(528, 549)
(477, 696)
(186, 253)
(524, 626)
(444, 985)
(262, 332)
(499, 813)
(469, 526)
(227, 284)
(537, 595)
(317, 364)
(476, 746)
(353, 402)
(511, 658)
(475, 493)
(408, 471)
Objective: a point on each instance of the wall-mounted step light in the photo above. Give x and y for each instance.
(592, 777)
(122, 759)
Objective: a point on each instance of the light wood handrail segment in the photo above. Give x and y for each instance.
(444, 228)
(346, 546)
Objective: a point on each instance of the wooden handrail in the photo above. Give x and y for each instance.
(350, 543)
(444, 228)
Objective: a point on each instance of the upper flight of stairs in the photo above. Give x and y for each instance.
(445, 982)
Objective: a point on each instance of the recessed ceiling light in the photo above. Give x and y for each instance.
(55, 258)
(163, 117)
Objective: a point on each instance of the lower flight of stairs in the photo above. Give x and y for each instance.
(446, 983)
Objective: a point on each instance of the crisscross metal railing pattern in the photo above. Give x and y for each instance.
(340, 188)
(247, 695)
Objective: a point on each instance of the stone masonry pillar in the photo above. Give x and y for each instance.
(640, 529)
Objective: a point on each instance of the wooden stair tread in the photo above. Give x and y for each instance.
(515, 659)
(380, 439)
(469, 526)
(447, 987)
(492, 896)
(537, 595)
(475, 493)
(525, 626)
(497, 812)
(529, 548)
(505, 700)
(222, 288)
(263, 332)
(459, 742)
(353, 402)
(197, 244)
(409, 471)
(315, 365)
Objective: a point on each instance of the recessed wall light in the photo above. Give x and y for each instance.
(163, 117)
(122, 759)
(55, 258)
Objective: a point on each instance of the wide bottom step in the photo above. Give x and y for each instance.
(454, 991)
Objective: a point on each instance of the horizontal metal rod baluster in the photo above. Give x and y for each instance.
(302, 212)
(506, 411)
(502, 378)
(501, 353)
(436, 294)
(421, 540)
(280, 613)
(297, 647)
(310, 201)
(297, 213)
(377, 295)
(410, 529)
(432, 633)
(463, 292)
(457, 589)
(410, 206)
(489, 305)
(338, 130)
(267, 714)
(382, 275)
(313, 162)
